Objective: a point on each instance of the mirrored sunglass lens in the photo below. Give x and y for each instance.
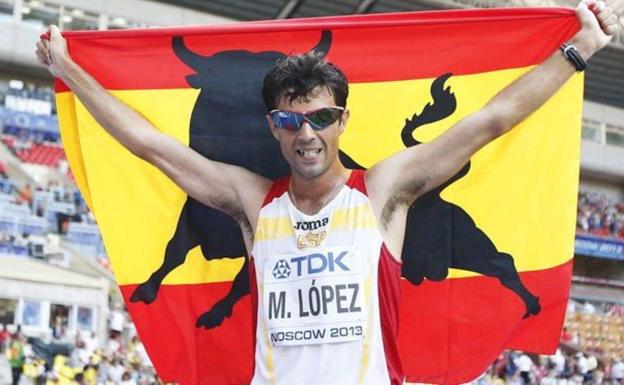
(324, 117)
(286, 120)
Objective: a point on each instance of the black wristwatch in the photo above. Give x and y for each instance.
(573, 55)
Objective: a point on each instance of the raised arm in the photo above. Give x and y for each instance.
(229, 188)
(397, 181)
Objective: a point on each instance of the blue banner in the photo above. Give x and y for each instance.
(17, 120)
(599, 247)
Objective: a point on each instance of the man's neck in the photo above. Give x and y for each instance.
(311, 194)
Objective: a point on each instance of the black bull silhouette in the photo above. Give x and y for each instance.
(227, 125)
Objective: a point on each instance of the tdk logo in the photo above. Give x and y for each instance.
(317, 263)
(281, 269)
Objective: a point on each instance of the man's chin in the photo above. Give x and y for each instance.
(311, 171)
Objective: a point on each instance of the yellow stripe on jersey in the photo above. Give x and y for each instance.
(361, 215)
(268, 356)
(272, 228)
(366, 351)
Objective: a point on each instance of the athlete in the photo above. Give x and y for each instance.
(324, 240)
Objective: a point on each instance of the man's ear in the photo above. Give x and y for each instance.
(272, 127)
(344, 118)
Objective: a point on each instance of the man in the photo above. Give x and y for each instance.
(342, 227)
(4, 337)
(617, 371)
(525, 367)
(16, 357)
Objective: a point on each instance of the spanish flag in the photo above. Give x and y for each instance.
(488, 256)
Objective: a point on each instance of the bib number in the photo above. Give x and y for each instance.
(314, 297)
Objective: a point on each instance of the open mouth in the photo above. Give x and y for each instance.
(309, 154)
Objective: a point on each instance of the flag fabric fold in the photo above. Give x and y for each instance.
(487, 256)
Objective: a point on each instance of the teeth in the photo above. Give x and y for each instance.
(309, 152)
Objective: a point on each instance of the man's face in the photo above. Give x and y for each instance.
(308, 152)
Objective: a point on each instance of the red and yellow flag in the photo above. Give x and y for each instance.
(488, 248)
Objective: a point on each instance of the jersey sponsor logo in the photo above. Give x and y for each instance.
(316, 263)
(281, 269)
(311, 225)
(311, 240)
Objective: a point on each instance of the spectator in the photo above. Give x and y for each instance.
(617, 371)
(592, 366)
(525, 366)
(3, 170)
(113, 345)
(80, 356)
(126, 379)
(550, 378)
(117, 319)
(79, 379)
(5, 336)
(90, 374)
(116, 370)
(53, 378)
(576, 338)
(589, 308)
(565, 335)
(91, 343)
(581, 364)
(558, 361)
(16, 357)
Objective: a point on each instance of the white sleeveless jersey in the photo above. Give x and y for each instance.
(326, 291)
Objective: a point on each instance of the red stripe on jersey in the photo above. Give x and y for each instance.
(279, 187)
(356, 181)
(389, 286)
(253, 293)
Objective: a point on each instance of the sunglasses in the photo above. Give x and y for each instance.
(318, 119)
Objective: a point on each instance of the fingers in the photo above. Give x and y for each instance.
(607, 19)
(43, 52)
(597, 6)
(55, 33)
(604, 14)
(611, 29)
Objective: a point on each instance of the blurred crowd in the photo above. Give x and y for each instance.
(58, 204)
(600, 216)
(561, 368)
(81, 360)
(575, 362)
(121, 359)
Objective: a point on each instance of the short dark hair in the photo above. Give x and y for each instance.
(294, 77)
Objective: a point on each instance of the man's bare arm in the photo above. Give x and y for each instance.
(397, 181)
(231, 189)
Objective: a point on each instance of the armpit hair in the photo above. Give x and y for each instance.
(403, 197)
(238, 215)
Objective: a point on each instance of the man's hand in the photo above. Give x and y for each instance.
(53, 53)
(598, 25)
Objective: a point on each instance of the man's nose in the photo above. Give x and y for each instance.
(306, 132)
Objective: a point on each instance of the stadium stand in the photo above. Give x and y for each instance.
(600, 216)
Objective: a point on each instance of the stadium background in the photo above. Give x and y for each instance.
(55, 282)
